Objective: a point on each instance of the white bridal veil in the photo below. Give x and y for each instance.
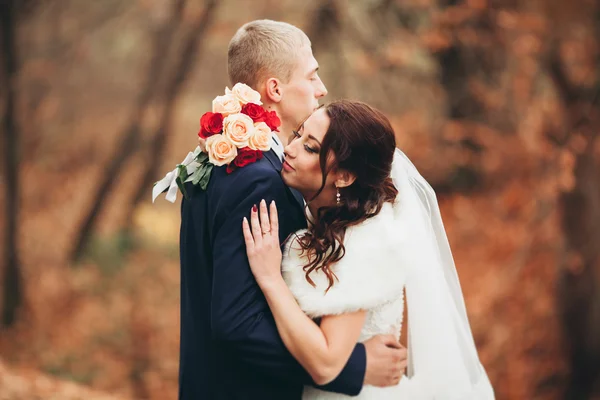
(443, 360)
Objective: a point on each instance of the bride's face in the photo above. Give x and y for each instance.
(301, 169)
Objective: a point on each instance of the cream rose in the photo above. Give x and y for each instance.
(238, 128)
(261, 138)
(245, 94)
(226, 104)
(220, 150)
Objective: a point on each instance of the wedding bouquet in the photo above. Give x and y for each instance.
(237, 131)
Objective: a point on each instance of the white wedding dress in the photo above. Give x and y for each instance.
(384, 256)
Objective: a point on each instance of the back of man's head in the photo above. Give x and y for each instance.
(263, 49)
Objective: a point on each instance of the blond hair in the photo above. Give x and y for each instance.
(262, 49)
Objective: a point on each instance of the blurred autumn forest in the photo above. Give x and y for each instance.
(496, 102)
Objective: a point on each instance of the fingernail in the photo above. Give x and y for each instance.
(254, 208)
(245, 220)
(263, 202)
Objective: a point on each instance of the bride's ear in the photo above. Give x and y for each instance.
(344, 178)
(273, 90)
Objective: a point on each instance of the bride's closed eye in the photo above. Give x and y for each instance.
(310, 149)
(296, 135)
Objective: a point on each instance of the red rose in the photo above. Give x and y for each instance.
(210, 124)
(230, 168)
(272, 120)
(245, 156)
(254, 111)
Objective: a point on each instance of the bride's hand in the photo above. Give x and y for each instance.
(262, 243)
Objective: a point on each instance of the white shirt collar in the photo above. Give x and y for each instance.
(277, 147)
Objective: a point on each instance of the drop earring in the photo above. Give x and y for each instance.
(338, 196)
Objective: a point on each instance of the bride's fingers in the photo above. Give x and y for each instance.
(247, 234)
(390, 341)
(274, 218)
(255, 225)
(265, 224)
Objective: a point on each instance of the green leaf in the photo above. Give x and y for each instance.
(181, 187)
(196, 176)
(206, 177)
(182, 176)
(202, 157)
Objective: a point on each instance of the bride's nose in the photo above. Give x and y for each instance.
(289, 150)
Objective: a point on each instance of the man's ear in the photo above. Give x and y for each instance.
(344, 178)
(274, 90)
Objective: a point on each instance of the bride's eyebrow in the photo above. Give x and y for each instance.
(301, 126)
(314, 138)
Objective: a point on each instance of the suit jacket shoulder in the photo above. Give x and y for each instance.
(261, 172)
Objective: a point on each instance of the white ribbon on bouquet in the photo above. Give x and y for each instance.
(170, 179)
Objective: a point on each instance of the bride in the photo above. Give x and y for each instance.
(375, 231)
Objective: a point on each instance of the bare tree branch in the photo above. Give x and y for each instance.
(12, 293)
(578, 285)
(187, 57)
(162, 41)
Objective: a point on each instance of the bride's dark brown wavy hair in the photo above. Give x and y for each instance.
(361, 141)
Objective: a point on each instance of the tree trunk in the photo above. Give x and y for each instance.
(181, 71)
(12, 293)
(579, 281)
(162, 42)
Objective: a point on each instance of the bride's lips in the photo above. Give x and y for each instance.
(286, 166)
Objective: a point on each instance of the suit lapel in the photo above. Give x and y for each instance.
(298, 197)
(273, 159)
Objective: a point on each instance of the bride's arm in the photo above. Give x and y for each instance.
(322, 350)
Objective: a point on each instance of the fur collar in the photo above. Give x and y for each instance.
(369, 274)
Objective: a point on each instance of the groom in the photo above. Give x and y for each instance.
(230, 348)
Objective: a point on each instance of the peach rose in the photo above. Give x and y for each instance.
(220, 150)
(261, 139)
(226, 104)
(245, 94)
(238, 128)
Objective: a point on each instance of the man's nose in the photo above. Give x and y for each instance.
(322, 90)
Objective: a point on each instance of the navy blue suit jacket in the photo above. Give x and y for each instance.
(230, 348)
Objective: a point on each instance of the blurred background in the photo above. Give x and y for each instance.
(496, 102)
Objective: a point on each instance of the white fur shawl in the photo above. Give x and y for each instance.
(371, 272)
